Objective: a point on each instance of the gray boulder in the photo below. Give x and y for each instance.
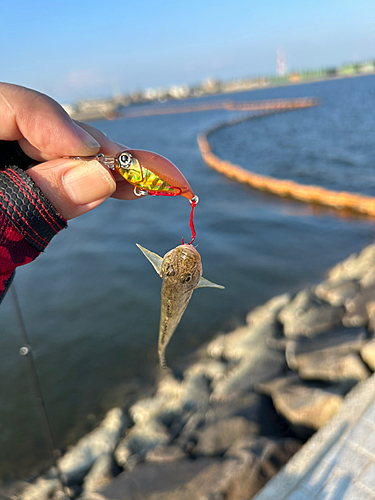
(240, 343)
(100, 474)
(311, 407)
(355, 266)
(139, 440)
(149, 481)
(249, 405)
(331, 366)
(331, 356)
(163, 410)
(368, 354)
(281, 449)
(192, 393)
(272, 386)
(197, 392)
(370, 306)
(170, 407)
(210, 369)
(237, 476)
(247, 348)
(267, 313)
(307, 315)
(356, 308)
(262, 365)
(303, 405)
(42, 489)
(261, 459)
(215, 439)
(165, 454)
(249, 340)
(340, 341)
(337, 293)
(186, 438)
(80, 458)
(368, 279)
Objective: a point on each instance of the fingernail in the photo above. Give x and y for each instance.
(88, 181)
(86, 137)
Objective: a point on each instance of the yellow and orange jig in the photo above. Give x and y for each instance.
(150, 174)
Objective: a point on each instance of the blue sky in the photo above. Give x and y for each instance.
(77, 49)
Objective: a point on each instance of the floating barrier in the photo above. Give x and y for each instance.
(282, 187)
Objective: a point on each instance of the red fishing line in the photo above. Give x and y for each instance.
(193, 203)
(193, 234)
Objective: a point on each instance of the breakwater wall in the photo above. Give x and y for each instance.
(234, 416)
(271, 104)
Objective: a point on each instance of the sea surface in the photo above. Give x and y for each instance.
(91, 301)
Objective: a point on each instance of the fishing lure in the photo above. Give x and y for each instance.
(150, 174)
(181, 272)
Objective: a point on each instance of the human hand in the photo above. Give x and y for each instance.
(46, 133)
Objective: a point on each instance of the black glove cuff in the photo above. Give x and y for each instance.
(12, 154)
(29, 210)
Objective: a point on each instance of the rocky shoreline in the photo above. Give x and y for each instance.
(234, 417)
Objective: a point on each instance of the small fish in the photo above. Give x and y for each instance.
(181, 272)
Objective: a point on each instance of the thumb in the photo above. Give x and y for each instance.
(73, 187)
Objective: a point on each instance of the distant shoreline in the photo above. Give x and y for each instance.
(109, 109)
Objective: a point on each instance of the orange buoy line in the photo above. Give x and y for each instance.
(282, 187)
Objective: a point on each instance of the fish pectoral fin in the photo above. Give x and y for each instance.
(152, 257)
(205, 283)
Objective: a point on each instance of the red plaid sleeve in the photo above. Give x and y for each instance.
(28, 222)
(14, 251)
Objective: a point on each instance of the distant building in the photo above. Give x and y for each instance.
(294, 77)
(92, 109)
(367, 67)
(69, 108)
(280, 63)
(211, 85)
(150, 94)
(179, 91)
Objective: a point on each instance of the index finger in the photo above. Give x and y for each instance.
(42, 127)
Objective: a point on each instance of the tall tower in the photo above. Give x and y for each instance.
(280, 64)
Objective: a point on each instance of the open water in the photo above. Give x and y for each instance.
(91, 301)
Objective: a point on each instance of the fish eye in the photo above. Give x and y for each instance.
(185, 278)
(125, 160)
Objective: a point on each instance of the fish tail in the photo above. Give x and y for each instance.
(162, 361)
